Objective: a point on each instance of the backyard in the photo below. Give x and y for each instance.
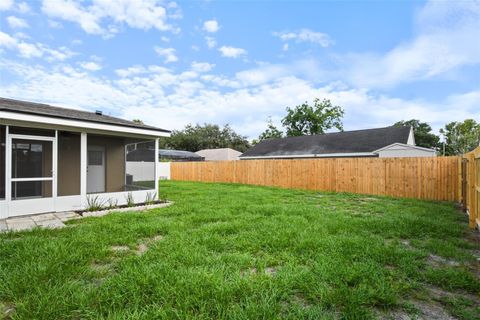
(245, 252)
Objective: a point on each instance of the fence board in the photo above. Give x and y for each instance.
(433, 178)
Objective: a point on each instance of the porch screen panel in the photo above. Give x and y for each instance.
(140, 166)
(32, 169)
(68, 164)
(2, 162)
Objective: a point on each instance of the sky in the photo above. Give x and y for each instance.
(242, 62)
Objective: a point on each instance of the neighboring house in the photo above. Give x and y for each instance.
(380, 142)
(219, 154)
(56, 159)
(141, 161)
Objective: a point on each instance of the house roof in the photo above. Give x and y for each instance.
(358, 141)
(40, 109)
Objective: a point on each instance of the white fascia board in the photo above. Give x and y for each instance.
(324, 155)
(404, 145)
(80, 125)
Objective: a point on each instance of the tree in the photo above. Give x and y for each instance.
(305, 119)
(137, 121)
(422, 132)
(271, 132)
(461, 137)
(209, 136)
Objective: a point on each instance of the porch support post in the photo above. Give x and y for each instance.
(55, 170)
(83, 168)
(156, 168)
(8, 172)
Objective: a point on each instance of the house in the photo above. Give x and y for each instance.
(219, 154)
(140, 161)
(57, 159)
(380, 142)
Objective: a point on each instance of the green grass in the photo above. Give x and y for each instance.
(244, 252)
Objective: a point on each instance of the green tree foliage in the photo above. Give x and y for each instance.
(423, 133)
(305, 119)
(207, 136)
(461, 137)
(272, 132)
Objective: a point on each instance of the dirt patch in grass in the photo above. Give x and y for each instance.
(119, 248)
(143, 247)
(299, 299)
(437, 261)
(269, 271)
(6, 310)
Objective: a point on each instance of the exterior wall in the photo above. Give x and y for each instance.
(144, 171)
(411, 138)
(405, 152)
(68, 164)
(219, 154)
(114, 161)
(3, 209)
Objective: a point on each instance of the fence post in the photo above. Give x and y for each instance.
(472, 213)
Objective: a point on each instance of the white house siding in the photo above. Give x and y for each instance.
(219, 154)
(405, 152)
(144, 171)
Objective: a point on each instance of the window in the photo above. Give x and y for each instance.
(95, 158)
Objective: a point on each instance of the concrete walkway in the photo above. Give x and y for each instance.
(57, 219)
(47, 220)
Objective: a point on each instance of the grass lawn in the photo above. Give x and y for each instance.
(245, 252)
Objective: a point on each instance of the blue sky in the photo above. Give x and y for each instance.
(172, 63)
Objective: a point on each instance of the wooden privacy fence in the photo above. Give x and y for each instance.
(470, 195)
(436, 178)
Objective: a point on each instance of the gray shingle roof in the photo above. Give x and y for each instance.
(367, 140)
(58, 112)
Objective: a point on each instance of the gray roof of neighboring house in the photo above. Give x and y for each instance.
(356, 141)
(147, 154)
(72, 114)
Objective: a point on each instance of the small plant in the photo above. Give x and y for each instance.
(94, 203)
(130, 200)
(112, 203)
(150, 198)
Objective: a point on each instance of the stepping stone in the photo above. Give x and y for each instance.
(44, 217)
(3, 226)
(20, 224)
(51, 224)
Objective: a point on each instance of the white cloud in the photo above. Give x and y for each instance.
(90, 65)
(447, 39)
(211, 26)
(23, 7)
(34, 50)
(232, 52)
(167, 53)
(6, 5)
(211, 42)
(15, 22)
(201, 66)
(147, 91)
(139, 14)
(306, 35)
